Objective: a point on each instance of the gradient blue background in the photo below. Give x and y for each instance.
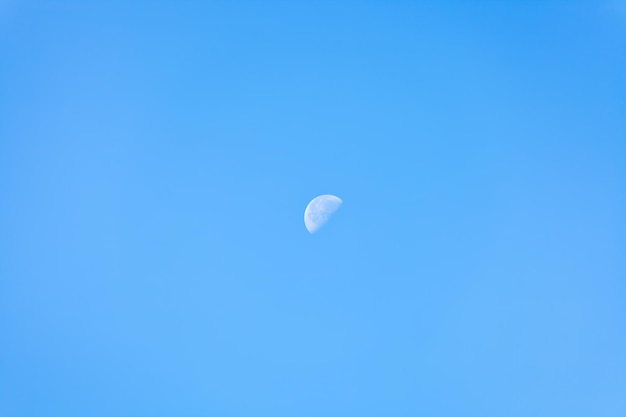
(156, 159)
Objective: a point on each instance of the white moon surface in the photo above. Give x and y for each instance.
(319, 210)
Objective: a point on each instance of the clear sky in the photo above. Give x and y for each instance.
(156, 158)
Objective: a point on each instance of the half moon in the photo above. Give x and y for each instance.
(319, 210)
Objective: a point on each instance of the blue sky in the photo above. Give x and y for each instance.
(156, 159)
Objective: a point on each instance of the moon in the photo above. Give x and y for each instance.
(319, 210)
